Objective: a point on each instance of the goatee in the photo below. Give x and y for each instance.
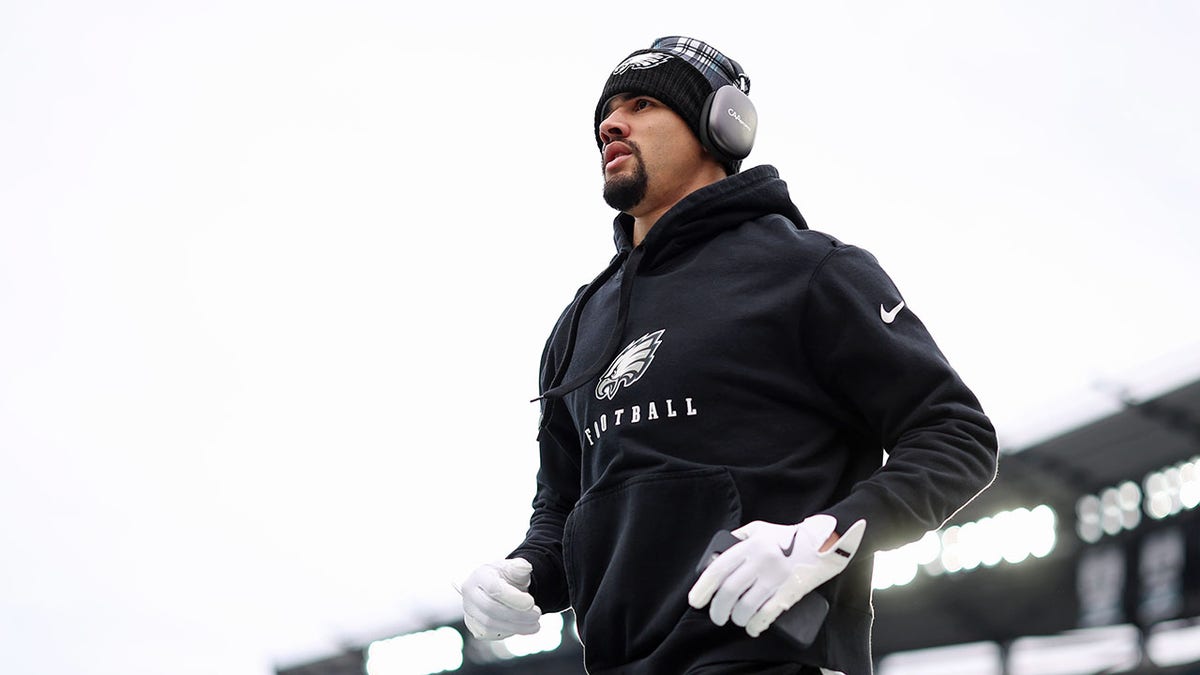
(625, 191)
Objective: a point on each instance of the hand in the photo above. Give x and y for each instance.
(496, 600)
(755, 581)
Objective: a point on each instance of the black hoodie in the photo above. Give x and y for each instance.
(736, 366)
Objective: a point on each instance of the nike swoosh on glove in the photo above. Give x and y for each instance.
(496, 600)
(756, 580)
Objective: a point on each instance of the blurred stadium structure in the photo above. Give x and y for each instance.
(1083, 557)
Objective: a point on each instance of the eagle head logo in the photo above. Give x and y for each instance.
(629, 365)
(642, 62)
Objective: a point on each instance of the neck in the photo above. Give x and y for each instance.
(643, 223)
(644, 220)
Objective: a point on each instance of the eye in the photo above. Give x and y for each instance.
(641, 104)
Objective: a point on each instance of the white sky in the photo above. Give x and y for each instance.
(275, 276)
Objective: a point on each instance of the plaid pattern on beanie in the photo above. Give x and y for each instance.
(679, 71)
(717, 68)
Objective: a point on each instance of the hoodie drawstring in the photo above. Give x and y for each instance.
(557, 389)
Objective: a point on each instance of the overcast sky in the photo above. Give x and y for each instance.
(275, 276)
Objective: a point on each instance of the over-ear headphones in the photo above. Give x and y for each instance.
(728, 120)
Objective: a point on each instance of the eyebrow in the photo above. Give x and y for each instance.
(615, 100)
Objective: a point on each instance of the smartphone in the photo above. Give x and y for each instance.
(800, 622)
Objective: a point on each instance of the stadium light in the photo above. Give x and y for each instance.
(1009, 536)
(1162, 494)
(975, 658)
(548, 638)
(424, 653)
(1173, 489)
(1109, 649)
(1174, 643)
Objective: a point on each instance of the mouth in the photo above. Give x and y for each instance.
(615, 154)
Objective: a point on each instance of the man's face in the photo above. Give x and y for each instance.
(649, 154)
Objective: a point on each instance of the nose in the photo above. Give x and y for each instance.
(613, 127)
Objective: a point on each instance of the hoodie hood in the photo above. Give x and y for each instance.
(693, 221)
(707, 212)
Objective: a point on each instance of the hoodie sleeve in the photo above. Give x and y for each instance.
(557, 491)
(872, 353)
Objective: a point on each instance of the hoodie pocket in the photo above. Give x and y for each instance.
(631, 553)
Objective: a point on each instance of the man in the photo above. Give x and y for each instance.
(730, 370)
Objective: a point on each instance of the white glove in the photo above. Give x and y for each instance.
(496, 600)
(755, 581)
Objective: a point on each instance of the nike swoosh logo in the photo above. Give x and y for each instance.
(791, 545)
(889, 317)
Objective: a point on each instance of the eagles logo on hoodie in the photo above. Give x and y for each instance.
(629, 365)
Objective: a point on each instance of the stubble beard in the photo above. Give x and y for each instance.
(627, 190)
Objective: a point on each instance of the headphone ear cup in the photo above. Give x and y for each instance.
(728, 124)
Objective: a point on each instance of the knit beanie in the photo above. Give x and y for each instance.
(679, 71)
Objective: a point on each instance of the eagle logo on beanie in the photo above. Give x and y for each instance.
(642, 62)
